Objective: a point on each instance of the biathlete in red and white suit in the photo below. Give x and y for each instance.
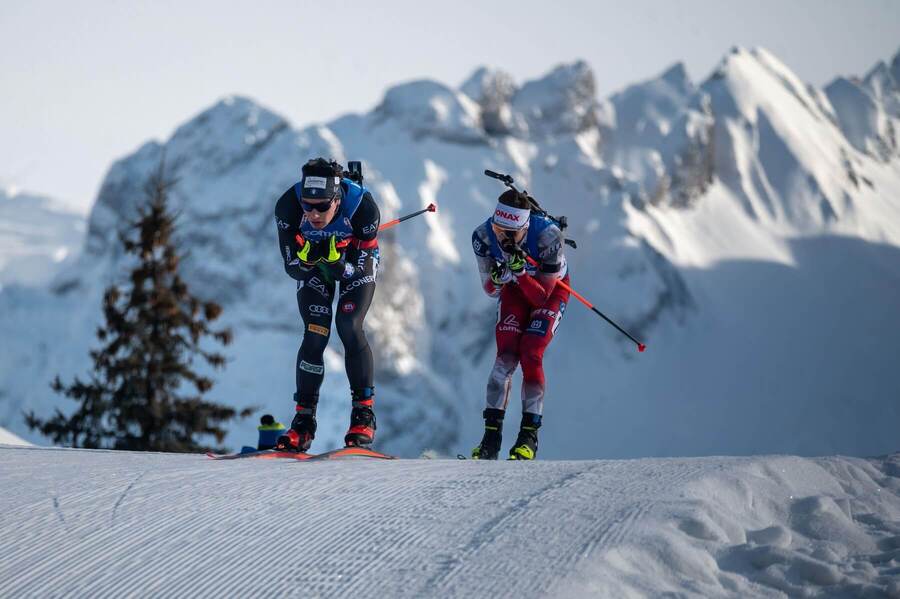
(531, 304)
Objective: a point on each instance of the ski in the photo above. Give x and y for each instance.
(334, 454)
(264, 454)
(352, 452)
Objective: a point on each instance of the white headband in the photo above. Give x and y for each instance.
(511, 218)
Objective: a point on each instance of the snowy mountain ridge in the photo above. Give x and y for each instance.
(727, 223)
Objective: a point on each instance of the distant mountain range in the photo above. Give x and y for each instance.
(747, 228)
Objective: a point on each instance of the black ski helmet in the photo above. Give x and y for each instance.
(321, 179)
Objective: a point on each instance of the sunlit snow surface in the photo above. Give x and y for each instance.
(92, 523)
(7, 438)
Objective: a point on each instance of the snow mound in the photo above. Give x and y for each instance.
(777, 526)
(7, 438)
(91, 523)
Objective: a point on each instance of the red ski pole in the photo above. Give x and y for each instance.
(641, 347)
(387, 225)
(397, 221)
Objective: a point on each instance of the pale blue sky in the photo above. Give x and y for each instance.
(84, 83)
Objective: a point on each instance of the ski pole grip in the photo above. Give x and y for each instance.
(499, 176)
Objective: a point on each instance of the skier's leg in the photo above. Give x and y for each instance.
(314, 296)
(355, 298)
(511, 313)
(541, 328)
(351, 313)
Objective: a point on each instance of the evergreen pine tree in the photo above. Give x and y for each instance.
(144, 393)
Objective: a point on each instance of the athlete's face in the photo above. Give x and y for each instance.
(316, 212)
(509, 237)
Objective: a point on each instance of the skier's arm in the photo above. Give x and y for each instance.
(537, 289)
(287, 221)
(365, 222)
(485, 263)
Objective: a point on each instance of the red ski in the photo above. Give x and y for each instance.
(351, 452)
(265, 454)
(335, 454)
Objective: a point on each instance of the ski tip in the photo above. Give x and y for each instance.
(353, 451)
(641, 347)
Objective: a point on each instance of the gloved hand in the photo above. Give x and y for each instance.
(332, 255)
(311, 252)
(500, 274)
(516, 263)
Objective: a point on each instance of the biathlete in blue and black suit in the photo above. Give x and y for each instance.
(327, 234)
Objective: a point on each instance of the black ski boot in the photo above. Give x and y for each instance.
(526, 444)
(300, 436)
(362, 419)
(489, 448)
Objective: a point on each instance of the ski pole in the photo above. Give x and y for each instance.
(387, 225)
(397, 221)
(641, 347)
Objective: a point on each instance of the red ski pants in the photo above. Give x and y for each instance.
(523, 332)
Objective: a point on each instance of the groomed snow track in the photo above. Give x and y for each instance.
(101, 523)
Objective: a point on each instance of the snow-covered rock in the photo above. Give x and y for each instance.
(493, 91)
(38, 238)
(660, 132)
(869, 109)
(562, 102)
(778, 149)
(429, 108)
(646, 111)
(862, 117)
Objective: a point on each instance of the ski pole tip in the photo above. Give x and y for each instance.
(641, 347)
(432, 207)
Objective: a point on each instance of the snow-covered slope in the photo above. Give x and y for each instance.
(735, 225)
(7, 438)
(38, 238)
(91, 523)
